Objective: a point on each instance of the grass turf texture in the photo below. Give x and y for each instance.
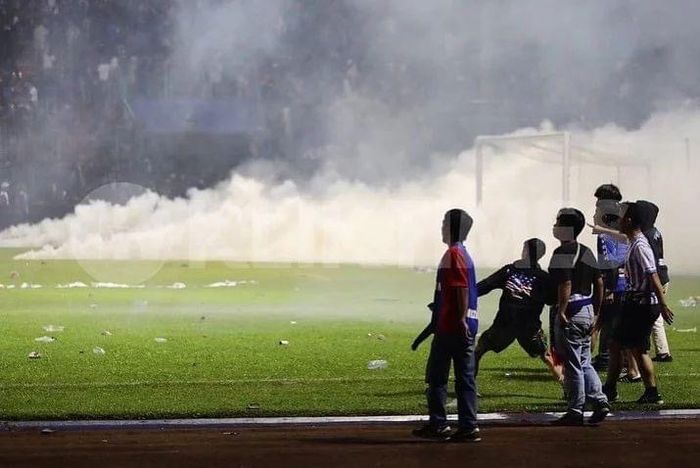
(223, 351)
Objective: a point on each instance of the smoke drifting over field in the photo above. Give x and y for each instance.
(245, 219)
(396, 157)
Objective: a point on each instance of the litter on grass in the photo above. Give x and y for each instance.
(99, 351)
(253, 406)
(75, 284)
(292, 322)
(161, 340)
(110, 285)
(53, 328)
(284, 343)
(45, 339)
(689, 302)
(377, 364)
(686, 330)
(34, 355)
(223, 284)
(106, 333)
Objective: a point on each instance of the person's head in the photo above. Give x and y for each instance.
(608, 192)
(607, 207)
(569, 224)
(533, 250)
(456, 226)
(632, 218)
(648, 212)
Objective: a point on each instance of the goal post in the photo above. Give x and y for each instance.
(563, 153)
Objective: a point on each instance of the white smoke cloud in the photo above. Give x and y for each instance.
(245, 219)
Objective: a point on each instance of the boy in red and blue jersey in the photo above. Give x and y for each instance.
(456, 323)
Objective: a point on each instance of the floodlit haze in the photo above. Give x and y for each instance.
(379, 142)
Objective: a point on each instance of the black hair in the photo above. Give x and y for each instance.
(573, 218)
(460, 224)
(634, 213)
(536, 249)
(608, 192)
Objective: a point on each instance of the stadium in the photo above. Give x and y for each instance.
(220, 224)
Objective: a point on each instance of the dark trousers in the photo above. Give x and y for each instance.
(444, 351)
(610, 314)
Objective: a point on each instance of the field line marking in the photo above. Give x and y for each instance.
(484, 418)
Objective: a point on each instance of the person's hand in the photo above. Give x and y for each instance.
(597, 324)
(464, 328)
(563, 321)
(667, 314)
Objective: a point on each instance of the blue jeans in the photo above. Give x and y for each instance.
(573, 344)
(445, 350)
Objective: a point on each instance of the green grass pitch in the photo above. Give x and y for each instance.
(222, 356)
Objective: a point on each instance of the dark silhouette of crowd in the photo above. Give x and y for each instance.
(71, 71)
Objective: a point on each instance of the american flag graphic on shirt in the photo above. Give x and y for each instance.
(519, 285)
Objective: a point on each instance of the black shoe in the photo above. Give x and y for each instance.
(627, 379)
(466, 435)
(662, 358)
(599, 414)
(610, 393)
(430, 431)
(569, 419)
(650, 398)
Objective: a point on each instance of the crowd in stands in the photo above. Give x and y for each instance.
(69, 70)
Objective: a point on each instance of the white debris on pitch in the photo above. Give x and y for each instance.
(106, 333)
(98, 351)
(34, 355)
(110, 285)
(377, 364)
(177, 286)
(229, 283)
(284, 343)
(75, 284)
(53, 328)
(161, 340)
(691, 301)
(292, 322)
(45, 339)
(686, 330)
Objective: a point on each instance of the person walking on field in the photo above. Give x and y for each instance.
(643, 302)
(456, 326)
(579, 286)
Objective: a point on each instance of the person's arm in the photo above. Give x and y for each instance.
(461, 301)
(422, 336)
(666, 312)
(495, 281)
(605, 230)
(428, 330)
(563, 296)
(598, 293)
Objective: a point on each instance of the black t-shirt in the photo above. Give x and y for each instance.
(576, 263)
(525, 291)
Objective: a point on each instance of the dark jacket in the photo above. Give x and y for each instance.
(650, 212)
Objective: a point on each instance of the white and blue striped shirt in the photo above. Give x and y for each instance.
(640, 264)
